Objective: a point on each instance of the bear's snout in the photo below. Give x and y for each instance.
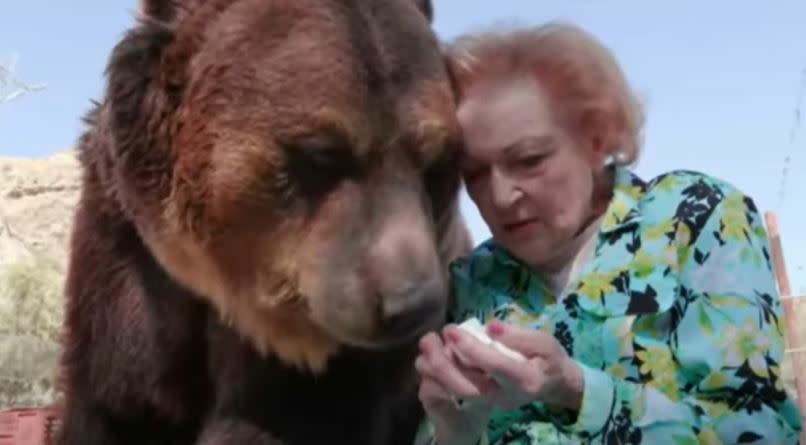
(407, 274)
(413, 311)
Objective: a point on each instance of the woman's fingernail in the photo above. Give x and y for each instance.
(453, 337)
(495, 328)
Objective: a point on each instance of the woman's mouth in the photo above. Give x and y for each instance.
(520, 228)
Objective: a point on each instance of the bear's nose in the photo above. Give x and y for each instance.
(411, 312)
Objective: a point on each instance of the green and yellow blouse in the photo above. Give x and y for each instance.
(674, 320)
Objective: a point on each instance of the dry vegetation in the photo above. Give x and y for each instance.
(37, 197)
(30, 321)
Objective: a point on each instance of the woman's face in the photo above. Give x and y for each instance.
(533, 184)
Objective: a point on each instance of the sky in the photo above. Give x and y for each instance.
(721, 81)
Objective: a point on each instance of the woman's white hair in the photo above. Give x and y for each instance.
(580, 74)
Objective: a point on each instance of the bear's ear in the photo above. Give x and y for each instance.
(172, 11)
(427, 8)
(161, 10)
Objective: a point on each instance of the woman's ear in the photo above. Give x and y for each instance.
(596, 137)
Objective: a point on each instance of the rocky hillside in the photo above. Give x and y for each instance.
(37, 198)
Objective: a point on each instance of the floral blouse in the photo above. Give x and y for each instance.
(675, 322)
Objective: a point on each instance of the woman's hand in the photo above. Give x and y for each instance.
(548, 375)
(452, 394)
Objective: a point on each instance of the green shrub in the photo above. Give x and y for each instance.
(31, 314)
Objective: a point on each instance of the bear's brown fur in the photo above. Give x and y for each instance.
(269, 204)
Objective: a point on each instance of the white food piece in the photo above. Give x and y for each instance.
(474, 327)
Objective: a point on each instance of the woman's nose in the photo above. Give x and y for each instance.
(504, 190)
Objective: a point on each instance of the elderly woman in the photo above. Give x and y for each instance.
(647, 311)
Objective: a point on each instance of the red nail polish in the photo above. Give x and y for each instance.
(452, 337)
(495, 328)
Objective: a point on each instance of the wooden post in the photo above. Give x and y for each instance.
(793, 340)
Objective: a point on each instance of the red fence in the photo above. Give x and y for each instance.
(29, 426)
(795, 349)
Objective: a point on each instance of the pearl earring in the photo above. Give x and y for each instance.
(618, 159)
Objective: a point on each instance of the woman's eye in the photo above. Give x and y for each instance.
(531, 160)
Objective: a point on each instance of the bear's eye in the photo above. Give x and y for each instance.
(442, 179)
(315, 165)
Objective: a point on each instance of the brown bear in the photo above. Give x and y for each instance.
(268, 209)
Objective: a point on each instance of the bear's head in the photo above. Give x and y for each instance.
(293, 162)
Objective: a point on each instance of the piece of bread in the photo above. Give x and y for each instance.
(474, 327)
